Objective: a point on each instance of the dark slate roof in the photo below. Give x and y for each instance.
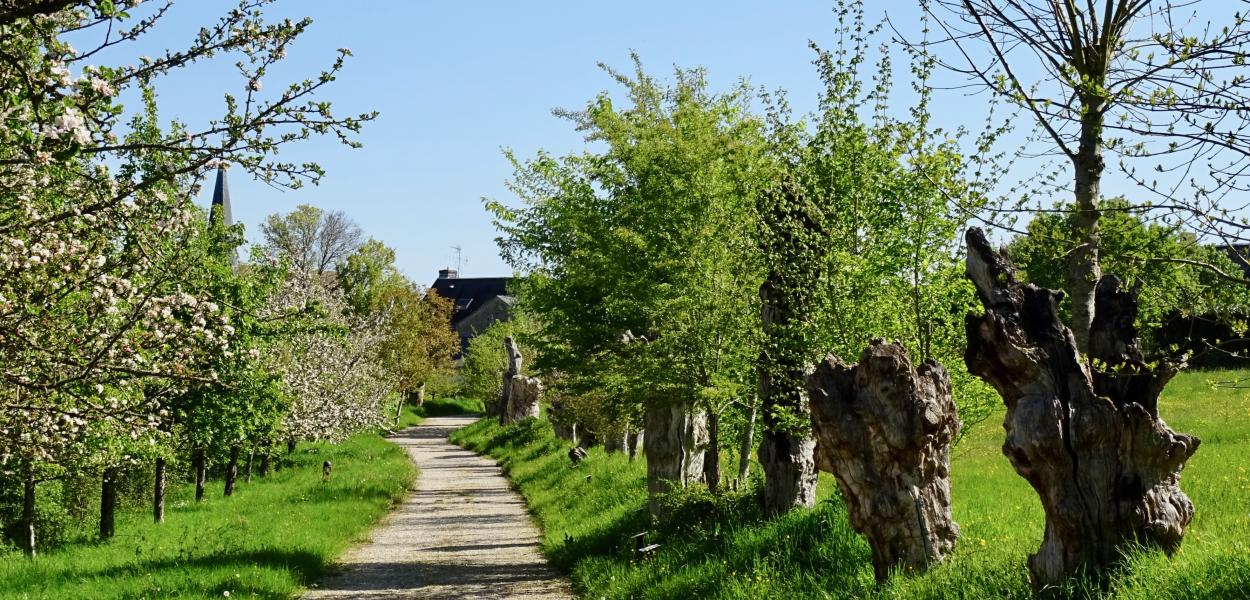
(221, 197)
(470, 293)
(1240, 255)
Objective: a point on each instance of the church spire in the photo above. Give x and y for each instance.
(221, 198)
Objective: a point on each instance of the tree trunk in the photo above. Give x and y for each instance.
(290, 446)
(198, 464)
(158, 492)
(1084, 271)
(108, 502)
(420, 399)
(1091, 443)
(247, 466)
(674, 444)
(523, 397)
(232, 470)
(634, 439)
(28, 514)
(786, 448)
(515, 362)
(885, 429)
(399, 408)
(711, 458)
(264, 461)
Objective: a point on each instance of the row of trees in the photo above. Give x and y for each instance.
(130, 337)
(687, 269)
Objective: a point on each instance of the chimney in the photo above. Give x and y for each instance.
(448, 274)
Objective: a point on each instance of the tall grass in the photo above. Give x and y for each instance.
(723, 548)
(271, 539)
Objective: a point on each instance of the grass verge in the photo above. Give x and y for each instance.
(271, 539)
(722, 548)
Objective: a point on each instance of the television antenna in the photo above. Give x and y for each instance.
(459, 256)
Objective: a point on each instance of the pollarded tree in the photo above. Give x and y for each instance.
(861, 240)
(1179, 274)
(1150, 83)
(646, 239)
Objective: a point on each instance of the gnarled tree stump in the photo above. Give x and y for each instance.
(1091, 442)
(500, 407)
(524, 393)
(674, 444)
(884, 429)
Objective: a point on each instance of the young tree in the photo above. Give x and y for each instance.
(1132, 79)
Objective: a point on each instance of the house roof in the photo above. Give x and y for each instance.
(470, 293)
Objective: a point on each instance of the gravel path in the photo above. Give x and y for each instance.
(461, 533)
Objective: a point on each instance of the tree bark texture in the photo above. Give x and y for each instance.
(513, 370)
(1091, 443)
(1084, 270)
(886, 428)
(198, 465)
(635, 439)
(158, 492)
(711, 458)
(108, 502)
(247, 466)
(28, 515)
(522, 399)
(786, 450)
(674, 445)
(232, 470)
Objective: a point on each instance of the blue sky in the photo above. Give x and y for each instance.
(457, 81)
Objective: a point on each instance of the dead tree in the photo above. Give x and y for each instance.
(884, 429)
(1085, 434)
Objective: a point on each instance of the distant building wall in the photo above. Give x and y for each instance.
(492, 311)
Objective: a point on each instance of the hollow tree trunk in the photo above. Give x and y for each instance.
(1084, 271)
(158, 492)
(232, 470)
(786, 448)
(674, 445)
(28, 514)
(711, 458)
(1091, 444)
(885, 430)
(108, 502)
(198, 465)
(746, 445)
